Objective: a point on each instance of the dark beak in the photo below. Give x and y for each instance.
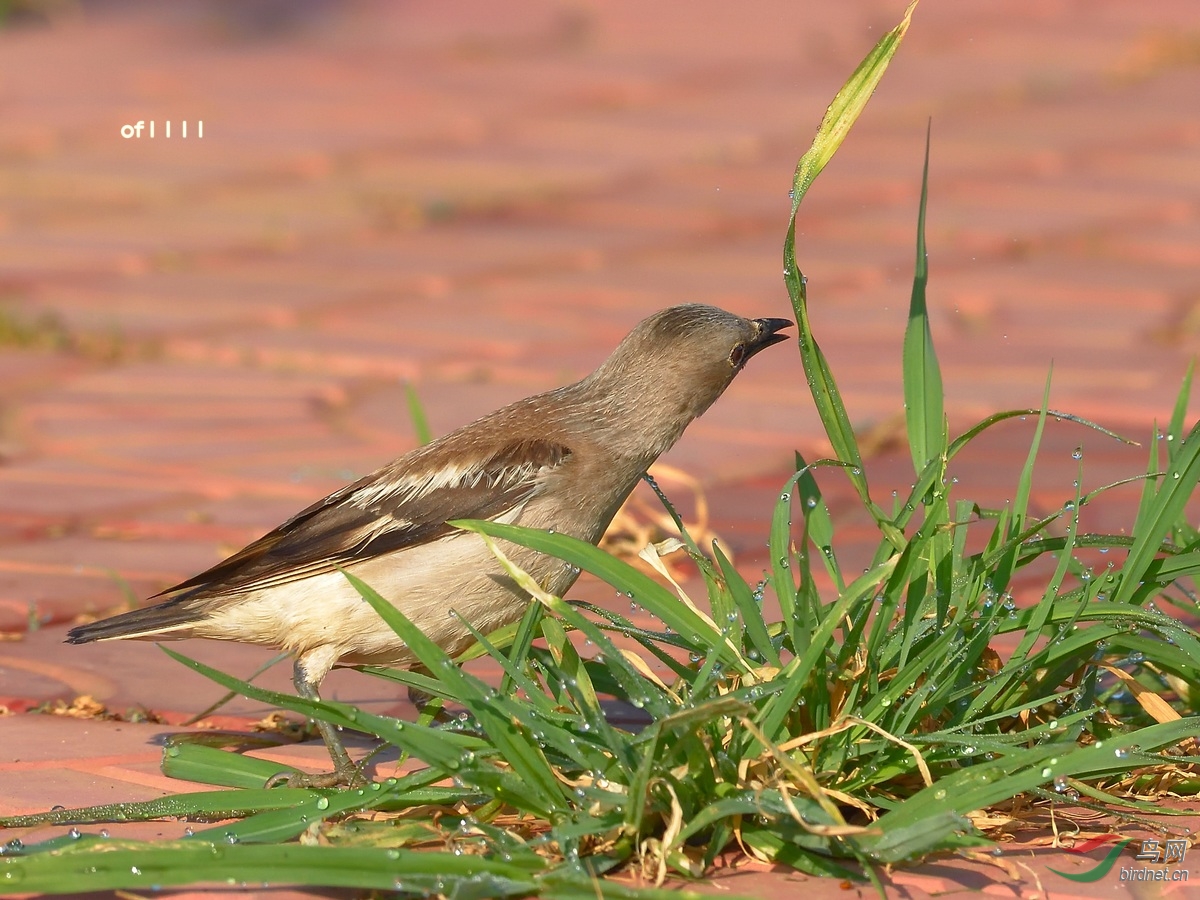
(766, 333)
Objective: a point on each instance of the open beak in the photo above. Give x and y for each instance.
(767, 332)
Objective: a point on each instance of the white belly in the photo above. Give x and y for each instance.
(435, 585)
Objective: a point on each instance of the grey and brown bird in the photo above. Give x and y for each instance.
(565, 460)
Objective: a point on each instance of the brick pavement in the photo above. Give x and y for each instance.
(199, 337)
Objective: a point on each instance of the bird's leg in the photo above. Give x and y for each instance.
(345, 773)
(419, 699)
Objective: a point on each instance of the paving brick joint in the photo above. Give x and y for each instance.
(200, 335)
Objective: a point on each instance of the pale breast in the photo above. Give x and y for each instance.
(435, 585)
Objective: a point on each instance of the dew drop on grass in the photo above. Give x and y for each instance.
(13, 874)
(74, 834)
(1077, 453)
(322, 803)
(1060, 783)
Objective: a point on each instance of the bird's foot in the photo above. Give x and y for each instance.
(348, 776)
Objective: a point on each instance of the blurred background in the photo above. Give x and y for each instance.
(201, 335)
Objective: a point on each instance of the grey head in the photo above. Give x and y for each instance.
(674, 365)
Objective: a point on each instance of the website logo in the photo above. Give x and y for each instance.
(1166, 857)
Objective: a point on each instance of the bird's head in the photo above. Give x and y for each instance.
(674, 365)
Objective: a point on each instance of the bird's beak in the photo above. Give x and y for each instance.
(766, 333)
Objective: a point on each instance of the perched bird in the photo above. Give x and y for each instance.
(565, 459)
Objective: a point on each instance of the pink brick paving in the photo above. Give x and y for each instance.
(480, 198)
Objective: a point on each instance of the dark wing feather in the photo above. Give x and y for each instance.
(393, 508)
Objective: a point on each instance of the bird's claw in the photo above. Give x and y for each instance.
(346, 777)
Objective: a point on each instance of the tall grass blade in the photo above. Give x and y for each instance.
(923, 396)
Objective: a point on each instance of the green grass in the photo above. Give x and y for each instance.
(862, 728)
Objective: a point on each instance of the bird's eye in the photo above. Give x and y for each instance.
(737, 355)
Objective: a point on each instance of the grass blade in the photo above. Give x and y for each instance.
(923, 395)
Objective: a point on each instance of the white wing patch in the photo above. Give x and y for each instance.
(414, 486)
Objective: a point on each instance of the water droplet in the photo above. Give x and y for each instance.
(322, 803)
(1077, 453)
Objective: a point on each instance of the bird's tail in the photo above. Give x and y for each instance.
(168, 620)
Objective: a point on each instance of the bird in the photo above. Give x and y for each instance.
(563, 460)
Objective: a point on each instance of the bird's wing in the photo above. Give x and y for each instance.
(402, 505)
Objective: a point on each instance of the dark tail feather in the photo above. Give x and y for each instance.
(153, 620)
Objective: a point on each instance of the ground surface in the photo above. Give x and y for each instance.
(200, 336)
